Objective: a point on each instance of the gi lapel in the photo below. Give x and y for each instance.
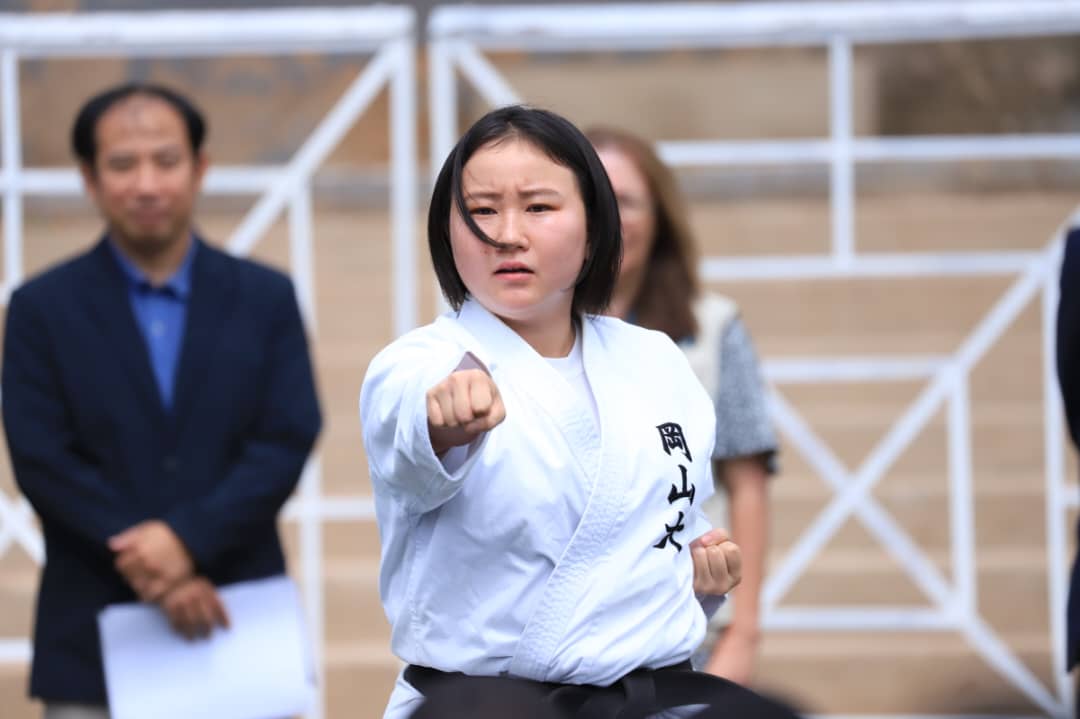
(567, 583)
(507, 352)
(597, 458)
(108, 294)
(208, 309)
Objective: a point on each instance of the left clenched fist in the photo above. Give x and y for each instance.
(717, 563)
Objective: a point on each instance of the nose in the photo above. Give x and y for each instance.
(512, 234)
(147, 179)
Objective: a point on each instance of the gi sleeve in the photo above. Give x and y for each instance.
(393, 416)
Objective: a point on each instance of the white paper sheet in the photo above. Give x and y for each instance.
(259, 668)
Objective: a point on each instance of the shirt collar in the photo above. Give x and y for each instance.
(179, 284)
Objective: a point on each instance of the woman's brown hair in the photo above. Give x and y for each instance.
(670, 286)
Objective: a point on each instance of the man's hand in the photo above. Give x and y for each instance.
(152, 558)
(194, 608)
(717, 563)
(461, 407)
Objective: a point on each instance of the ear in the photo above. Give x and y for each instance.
(89, 178)
(202, 161)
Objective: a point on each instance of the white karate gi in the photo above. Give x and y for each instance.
(546, 551)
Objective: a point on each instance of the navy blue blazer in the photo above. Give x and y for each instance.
(1068, 369)
(95, 452)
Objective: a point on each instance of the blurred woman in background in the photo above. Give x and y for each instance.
(658, 288)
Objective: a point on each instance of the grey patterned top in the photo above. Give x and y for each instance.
(743, 427)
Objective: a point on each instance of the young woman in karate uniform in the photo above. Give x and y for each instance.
(539, 469)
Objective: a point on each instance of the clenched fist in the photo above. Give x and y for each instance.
(462, 407)
(717, 563)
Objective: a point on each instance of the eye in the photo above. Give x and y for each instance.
(475, 211)
(120, 164)
(539, 207)
(168, 160)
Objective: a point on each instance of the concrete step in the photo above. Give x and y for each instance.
(894, 673)
(354, 687)
(1014, 519)
(14, 680)
(1011, 584)
(850, 672)
(893, 222)
(358, 689)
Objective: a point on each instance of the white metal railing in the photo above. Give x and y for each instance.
(387, 33)
(459, 36)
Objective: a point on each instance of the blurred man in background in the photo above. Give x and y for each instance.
(158, 401)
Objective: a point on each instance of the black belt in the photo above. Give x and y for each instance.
(637, 695)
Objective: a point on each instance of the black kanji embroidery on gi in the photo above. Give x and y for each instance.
(688, 490)
(670, 536)
(672, 437)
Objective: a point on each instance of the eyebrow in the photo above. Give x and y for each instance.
(160, 150)
(527, 194)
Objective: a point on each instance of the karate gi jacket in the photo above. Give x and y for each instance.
(551, 548)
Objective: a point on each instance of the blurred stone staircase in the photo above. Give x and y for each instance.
(826, 672)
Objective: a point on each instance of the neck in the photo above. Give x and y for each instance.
(548, 339)
(157, 262)
(625, 295)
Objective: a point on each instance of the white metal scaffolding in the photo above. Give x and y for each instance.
(458, 38)
(387, 34)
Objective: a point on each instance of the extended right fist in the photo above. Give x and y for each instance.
(461, 407)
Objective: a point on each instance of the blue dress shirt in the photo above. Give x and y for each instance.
(160, 312)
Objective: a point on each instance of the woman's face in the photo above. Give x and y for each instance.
(523, 199)
(637, 212)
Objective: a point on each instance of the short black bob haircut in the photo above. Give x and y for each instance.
(556, 137)
(84, 131)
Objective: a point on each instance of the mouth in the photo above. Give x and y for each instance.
(512, 268)
(148, 217)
